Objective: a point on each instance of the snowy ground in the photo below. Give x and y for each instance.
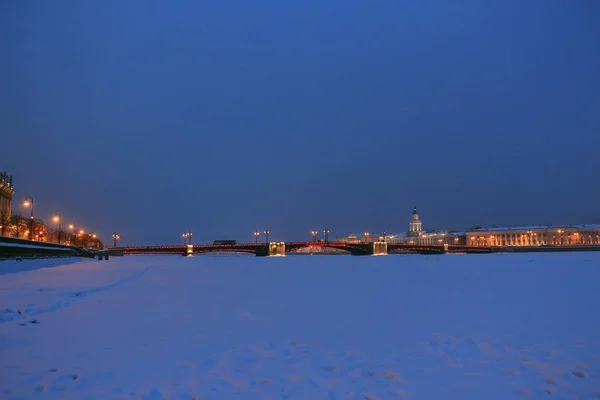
(496, 326)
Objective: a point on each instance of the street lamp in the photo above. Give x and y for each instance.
(326, 234)
(184, 236)
(58, 219)
(267, 231)
(366, 235)
(190, 236)
(256, 235)
(29, 202)
(314, 235)
(116, 238)
(72, 229)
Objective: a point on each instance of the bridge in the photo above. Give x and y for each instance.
(282, 248)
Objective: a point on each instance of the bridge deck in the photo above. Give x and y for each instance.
(263, 248)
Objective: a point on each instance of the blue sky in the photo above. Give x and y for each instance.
(151, 118)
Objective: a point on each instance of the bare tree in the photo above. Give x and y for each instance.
(19, 225)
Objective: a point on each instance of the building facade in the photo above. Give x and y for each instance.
(550, 235)
(415, 235)
(415, 226)
(6, 194)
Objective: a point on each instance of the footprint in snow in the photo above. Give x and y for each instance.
(579, 373)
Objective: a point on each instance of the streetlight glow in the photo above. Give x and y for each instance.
(116, 238)
(57, 218)
(29, 202)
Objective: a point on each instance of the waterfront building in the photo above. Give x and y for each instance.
(414, 235)
(6, 193)
(415, 226)
(537, 235)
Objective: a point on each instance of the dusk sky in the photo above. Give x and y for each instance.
(151, 118)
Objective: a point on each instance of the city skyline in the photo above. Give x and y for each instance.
(205, 118)
(415, 229)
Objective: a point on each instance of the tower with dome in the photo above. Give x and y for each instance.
(415, 226)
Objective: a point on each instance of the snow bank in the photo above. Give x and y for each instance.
(495, 326)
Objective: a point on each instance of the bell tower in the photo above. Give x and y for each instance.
(415, 225)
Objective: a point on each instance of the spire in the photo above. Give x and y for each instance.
(415, 212)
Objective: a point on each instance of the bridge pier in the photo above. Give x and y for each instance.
(378, 248)
(277, 249)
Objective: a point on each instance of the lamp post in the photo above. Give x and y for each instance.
(314, 235)
(267, 231)
(366, 235)
(256, 235)
(190, 236)
(58, 219)
(72, 229)
(184, 236)
(116, 238)
(326, 235)
(29, 203)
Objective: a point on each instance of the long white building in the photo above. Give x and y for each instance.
(547, 235)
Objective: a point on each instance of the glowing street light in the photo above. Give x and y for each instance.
(267, 231)
(72, 229)
(366, 235)
(116, 238)
(256, 235)
(58, 219)
(29, 203)
(314, 235)
(185, 236)
(326, 235)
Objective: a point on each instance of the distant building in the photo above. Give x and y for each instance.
(415, 226)
(6, 193)
(415, 235)
(538, 235)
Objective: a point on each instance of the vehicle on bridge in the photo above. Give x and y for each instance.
(226, 242)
